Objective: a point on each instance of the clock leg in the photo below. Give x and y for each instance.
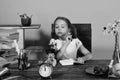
(48, 78)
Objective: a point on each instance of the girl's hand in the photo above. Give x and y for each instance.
(80, 60)
(65, 43)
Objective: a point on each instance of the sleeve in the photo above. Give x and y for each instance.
(78, 43)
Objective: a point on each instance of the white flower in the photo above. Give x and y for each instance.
(59, 44)
(52, 42)
(117, 20)
(112, 28)
(56, 44)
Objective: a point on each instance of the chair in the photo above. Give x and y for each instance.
(84, 34)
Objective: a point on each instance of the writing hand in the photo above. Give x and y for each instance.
(80, 60)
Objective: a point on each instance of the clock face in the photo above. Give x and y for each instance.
(45, 70)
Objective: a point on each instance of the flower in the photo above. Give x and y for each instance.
(55, 44)
(112, 28)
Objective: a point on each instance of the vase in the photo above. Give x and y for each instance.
(116, 53)
(26, 21)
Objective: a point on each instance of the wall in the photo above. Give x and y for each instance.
(96, 12)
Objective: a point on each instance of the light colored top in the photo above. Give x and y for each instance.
(71, 50)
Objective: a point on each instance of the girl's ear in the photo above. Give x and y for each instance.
(69, 31)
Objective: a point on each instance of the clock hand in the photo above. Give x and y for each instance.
(44, 68)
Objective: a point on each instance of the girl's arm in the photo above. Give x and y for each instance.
(62, 50)
(86, 52)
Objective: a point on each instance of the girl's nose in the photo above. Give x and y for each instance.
(59, 28)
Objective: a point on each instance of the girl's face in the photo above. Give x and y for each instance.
(61, 28)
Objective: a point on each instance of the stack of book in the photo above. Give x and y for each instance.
(7, 37)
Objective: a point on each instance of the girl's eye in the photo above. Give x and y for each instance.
(56, 27)
(63, 26)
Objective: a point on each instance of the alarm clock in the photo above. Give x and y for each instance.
(45, 70)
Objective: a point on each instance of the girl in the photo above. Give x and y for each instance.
(66, 43)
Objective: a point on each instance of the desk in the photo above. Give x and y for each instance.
(72, 72)
(21, 30)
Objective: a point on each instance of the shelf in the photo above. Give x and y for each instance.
(20, 29)
(18, 26)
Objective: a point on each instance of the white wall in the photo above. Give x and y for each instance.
(96, 12)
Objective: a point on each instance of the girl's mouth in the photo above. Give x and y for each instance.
(59, 33)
